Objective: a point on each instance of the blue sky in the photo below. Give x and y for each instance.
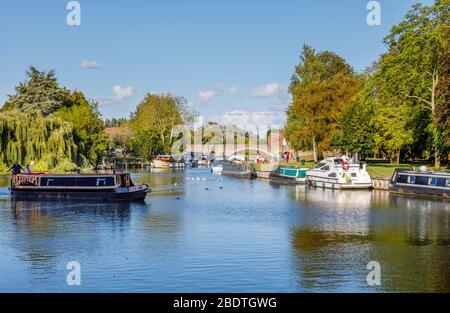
(230, 59)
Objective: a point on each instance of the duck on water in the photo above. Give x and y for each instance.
(95, 187)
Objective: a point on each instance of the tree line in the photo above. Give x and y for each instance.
(52, 126)
(399, 107)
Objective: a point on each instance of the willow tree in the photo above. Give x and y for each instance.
(51, 125)
(29, 136)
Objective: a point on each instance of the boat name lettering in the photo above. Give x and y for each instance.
(21, 180)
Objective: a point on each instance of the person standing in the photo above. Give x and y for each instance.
(27, 169)
(16, 168)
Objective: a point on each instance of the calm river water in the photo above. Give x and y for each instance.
(237, 235)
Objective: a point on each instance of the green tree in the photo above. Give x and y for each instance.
(30, 136)
(88, 127)
(39, 92)
(316, 110)
(355, 130)
(152, 124)
(318, 66)
(416, 64)
(51, 125)
(322, 85)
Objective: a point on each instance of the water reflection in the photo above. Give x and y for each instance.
(202, 232)
(344, 231)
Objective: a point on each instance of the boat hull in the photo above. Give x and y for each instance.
(109, 195)
(278, 178)
(166, 164)
(243, 175)
(420, 191)
(334, 184)
(239, 170)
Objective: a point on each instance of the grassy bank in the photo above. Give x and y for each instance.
(383, 169)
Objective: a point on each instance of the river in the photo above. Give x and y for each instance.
(197, 232)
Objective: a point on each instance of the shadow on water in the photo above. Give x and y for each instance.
(409, 237)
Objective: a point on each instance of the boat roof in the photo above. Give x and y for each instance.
(408, 171)
(72, 174)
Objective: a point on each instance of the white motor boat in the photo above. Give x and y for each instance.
(339, 173)
(217, 167)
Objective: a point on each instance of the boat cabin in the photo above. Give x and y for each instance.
(420, 182)
(68, 181)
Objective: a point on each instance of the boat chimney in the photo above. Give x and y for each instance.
(422, 168)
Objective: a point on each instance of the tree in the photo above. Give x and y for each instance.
(316, 110)
(40, 92)
(51, 125)
(88, 127)
(319, 66)
(354, 131)
(322, 85)
(416, 64)
(152, 124)
(30, 136)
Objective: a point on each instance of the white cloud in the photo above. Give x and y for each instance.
(232, 90)
(122, 93)
(90, 64)
(206, 95)
(281, 101)
(246, 119)
(266, 90)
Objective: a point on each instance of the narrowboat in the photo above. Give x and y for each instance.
(95, 187)
(288, 175)
(420, 182)
(239, 169)
(339, 173)
(167, 161)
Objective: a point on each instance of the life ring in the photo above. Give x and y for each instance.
(345, 166)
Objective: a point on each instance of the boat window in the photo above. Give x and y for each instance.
(441, 182)
(338, 161)
(326, 168)
(332, 175)
(50, 182)
(412, 179)
(433, 181)
(320, 164)
(422, 180)
(353, 174)
(402, 178)
(448, 182)
(101, 182)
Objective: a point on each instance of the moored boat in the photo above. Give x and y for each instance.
(95, 187)
(420, 182)
(339, 173)
(288, 175)
(217, 167)
(167, 161)
(239, 169)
